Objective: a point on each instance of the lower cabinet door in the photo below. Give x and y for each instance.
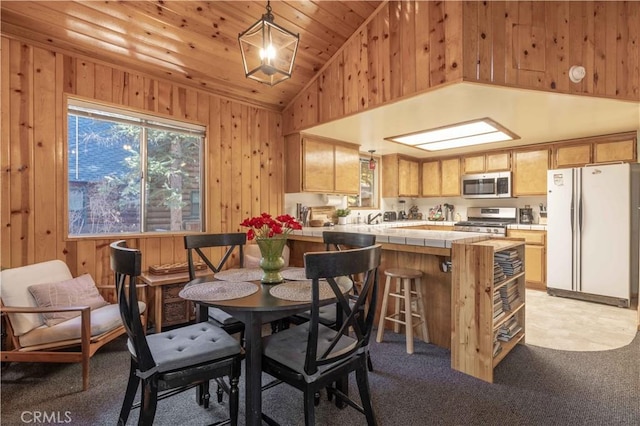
(535, 268)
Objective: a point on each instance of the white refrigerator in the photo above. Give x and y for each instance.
(592, 232)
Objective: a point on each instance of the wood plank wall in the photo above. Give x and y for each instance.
(407, 47)
(410, 47)
(244, 158)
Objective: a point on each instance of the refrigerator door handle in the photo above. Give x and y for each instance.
(571, 212)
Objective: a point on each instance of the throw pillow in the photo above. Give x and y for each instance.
(80, 291)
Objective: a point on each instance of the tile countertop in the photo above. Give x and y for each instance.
(391, 232)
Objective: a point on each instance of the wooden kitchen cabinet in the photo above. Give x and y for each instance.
(530, 172)
(441, 178)
(575, 155)
(401, 176)
(602, 149)
(607, 151)
(450, 177)
(431, 178)
(489, 162)
(321, 165)
(535, 255)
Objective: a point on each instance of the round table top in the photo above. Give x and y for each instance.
(260, 300)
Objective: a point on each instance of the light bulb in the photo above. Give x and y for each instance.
(269, 53)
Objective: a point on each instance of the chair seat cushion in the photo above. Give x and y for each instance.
(288, 347)
(103, 319)
(326, 315)
(221, 316)
(190, 345)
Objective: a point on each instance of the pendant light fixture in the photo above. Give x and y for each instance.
(268, 50)
(372, 162)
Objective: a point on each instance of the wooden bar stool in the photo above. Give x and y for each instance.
(408, 289)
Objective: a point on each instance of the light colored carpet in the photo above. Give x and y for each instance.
(575, 325)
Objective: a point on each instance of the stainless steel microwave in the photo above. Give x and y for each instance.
(487, 185)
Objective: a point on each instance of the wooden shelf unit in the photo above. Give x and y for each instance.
(473, 289)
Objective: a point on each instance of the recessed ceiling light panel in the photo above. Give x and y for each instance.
(457, 136)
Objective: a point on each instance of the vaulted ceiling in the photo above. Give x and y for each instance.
(191, 42)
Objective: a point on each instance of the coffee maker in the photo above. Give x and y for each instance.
(402, 214)
(526, 215)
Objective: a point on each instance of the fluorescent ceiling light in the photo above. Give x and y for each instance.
(456, 136)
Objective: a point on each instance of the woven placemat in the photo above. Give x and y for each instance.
(240, 275)
(294, 274)
(218, 290)
(300, 291)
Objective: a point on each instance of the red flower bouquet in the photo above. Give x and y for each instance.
(265, 226)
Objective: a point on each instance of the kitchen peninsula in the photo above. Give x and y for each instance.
(463, 292)
(426, 250)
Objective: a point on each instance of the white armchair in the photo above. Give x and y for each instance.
(48, 310)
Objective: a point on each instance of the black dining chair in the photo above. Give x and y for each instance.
(167, 363)
(312, 356)
(196, 243)
(338, 241)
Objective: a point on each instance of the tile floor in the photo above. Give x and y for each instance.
(575, 325)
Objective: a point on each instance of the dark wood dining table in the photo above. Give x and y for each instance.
(254, 310)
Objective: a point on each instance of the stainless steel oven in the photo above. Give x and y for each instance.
(487, 185)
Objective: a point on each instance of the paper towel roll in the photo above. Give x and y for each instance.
(332, 200)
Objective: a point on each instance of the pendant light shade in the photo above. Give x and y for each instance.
(268, 50)
(372, 162)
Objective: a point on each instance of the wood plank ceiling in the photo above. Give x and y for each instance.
(190, 42)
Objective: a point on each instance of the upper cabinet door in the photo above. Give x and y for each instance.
(431, 178)
(473, 164)
(576, 155)
(318, 163)
(530, 172)
(347, 169)
(408, 178)
(450, 183)
(604, 152)
(498, 161)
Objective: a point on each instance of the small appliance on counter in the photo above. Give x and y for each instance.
(414, 214)
(389, 217)
(526, 215)
(402, 214)
(543, 214)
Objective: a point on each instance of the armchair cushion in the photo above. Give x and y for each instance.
(102, 320)
(79, 291)
(13, 290)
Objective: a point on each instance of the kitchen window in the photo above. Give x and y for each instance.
(369, 194)
(129, 172)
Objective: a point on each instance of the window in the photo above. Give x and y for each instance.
(131, 173)
(368, 196)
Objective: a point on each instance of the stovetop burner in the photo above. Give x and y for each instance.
(487, 220)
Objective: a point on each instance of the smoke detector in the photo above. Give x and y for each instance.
(577, 73)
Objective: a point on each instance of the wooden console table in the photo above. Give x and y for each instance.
(168, 307)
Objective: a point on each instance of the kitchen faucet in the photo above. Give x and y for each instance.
(371, 219)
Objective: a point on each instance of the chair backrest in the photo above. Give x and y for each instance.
(197, 242)
(334, 240)
(330, 266)
(339, 241)
(126, 264)
(14, 290)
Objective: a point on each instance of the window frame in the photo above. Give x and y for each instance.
(153, 116)
(377, 183)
